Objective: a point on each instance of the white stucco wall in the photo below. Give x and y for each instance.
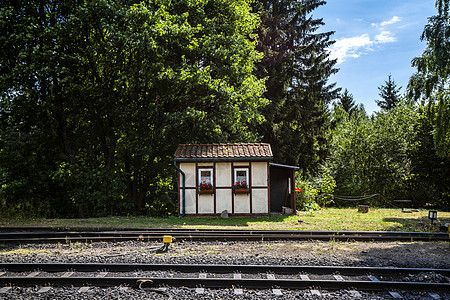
(241, 164)
(259, 174)
(189, 170)
(190, 201)
(260, 203)
(207, 164)
(223, 174)
(242, 204)
(206, 204)
(223, 200)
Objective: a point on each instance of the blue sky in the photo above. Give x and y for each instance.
(374, 38)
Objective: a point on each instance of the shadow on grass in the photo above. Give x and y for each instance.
(218, 221)
(415, 223)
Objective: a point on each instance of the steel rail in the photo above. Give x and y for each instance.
(209, 235)
(25, 230)
(218, 283)
(217, 238)
(188, 268)
(221, 232)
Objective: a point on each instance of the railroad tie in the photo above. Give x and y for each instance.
(277, 292)
(338, 277)
(355, 294)
(5, 289)
(396, 295)
(44, 289)
(84, 289)
(304, 277)
(270, 276)
(67, 274)
(33, 274)
(2, 273)
(237, 276)
(102, 274)
(434, 296)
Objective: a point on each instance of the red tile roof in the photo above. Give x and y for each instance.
(224, 151)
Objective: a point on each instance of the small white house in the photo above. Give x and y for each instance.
(213, 178)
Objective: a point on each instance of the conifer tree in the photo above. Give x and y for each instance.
(389, 93)
(296, 66)
(347, 102)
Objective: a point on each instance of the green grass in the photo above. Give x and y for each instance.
(325, 219)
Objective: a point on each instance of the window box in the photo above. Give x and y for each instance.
(206, 191)
(241, 191)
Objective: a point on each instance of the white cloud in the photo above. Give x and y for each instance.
(393, 20)
(354, 47)
(385, 37)
(350, 47)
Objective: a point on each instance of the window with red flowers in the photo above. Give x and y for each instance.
(240, 180)
(205, 180)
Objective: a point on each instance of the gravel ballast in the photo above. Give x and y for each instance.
(316, 253)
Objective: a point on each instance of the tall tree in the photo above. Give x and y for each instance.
(389, 93)
(345, 109)
(347, 102)
(431, 83)
(296, 66)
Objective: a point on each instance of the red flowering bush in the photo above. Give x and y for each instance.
(205, 186)
(240, 185)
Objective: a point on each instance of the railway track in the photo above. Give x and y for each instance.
(59, 235)
(389, 280)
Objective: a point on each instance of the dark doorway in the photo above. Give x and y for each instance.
(282, 187)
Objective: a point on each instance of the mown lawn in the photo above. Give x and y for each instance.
(325, 219)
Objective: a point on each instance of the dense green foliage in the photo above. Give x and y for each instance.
(371, 155)
(392, 155)
(431, 82)
(96, 95)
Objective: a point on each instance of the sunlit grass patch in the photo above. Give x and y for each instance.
(334, 219)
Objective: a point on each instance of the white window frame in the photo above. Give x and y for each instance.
(246, 175)
(200, 175)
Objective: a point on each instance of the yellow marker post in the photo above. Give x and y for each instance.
(167, 239)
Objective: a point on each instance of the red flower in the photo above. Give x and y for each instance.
(299, 190)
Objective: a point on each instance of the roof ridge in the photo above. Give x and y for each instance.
(224, 150)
